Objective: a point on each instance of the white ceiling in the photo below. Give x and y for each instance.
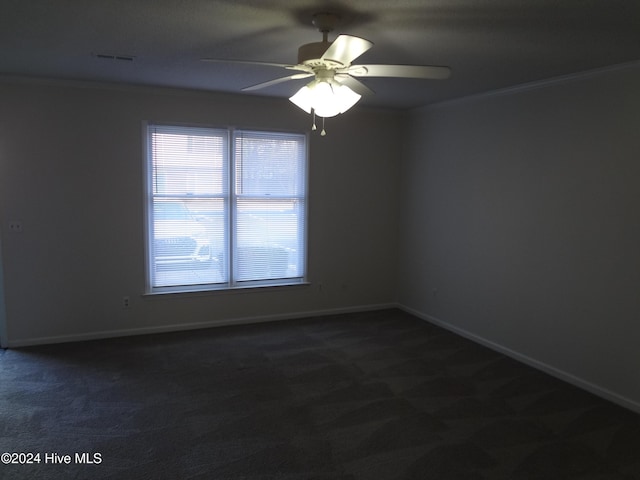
(489, 44)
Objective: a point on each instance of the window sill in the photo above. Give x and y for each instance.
(208, 290)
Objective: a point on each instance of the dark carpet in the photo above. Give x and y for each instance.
(376, 395)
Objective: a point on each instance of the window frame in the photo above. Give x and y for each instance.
(230, 200)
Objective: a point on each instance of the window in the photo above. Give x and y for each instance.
(225, 208)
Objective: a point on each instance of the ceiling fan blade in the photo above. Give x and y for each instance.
(247, 62)
(346, 48)
(302, 68)
(402, 71)
(354, 84)
(276, 81)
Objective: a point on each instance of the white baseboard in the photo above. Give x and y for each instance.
(80, 337)
(532, 362)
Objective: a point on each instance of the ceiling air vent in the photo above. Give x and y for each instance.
(110, 56)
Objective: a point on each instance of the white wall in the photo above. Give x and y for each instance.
(521, 225)
(71, 172)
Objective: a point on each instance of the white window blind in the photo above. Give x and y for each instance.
(225, 208)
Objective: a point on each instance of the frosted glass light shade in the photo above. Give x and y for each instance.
(327, 100)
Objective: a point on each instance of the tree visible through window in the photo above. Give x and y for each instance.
(225, 208)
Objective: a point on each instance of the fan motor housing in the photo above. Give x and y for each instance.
(311, 54)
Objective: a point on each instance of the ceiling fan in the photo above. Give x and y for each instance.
(335, 87)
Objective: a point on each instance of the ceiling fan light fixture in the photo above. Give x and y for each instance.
(336, 87)
(325, 99)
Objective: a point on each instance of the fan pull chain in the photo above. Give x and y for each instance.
(314, 127)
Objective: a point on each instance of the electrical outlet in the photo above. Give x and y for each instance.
(125, 302)
(15, 226)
